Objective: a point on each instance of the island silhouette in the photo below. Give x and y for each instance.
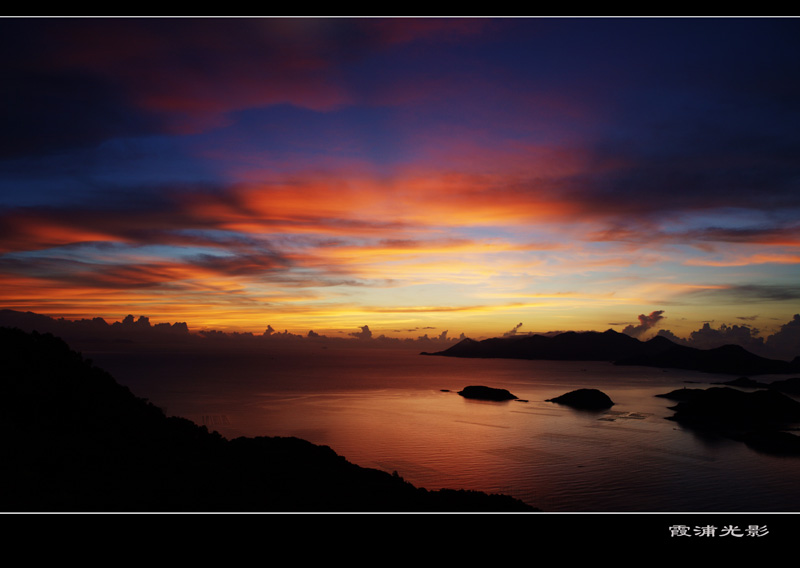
(621, 349)
(586, 399)
(481, 392)
(764, 419)
(75, 440)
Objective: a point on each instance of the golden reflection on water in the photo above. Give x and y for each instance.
(398, 411)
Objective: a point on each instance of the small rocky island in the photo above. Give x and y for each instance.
(480, 392)
(763, 419)
(584, 399)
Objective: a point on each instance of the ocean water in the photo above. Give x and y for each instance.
(399, 411)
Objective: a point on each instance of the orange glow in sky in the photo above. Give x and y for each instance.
(459, 175)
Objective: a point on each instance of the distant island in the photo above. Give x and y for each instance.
(75, 440)
(621, 349)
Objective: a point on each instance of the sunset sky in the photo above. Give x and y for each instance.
(414, 175)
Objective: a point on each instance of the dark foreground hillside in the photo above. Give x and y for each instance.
(74, 440)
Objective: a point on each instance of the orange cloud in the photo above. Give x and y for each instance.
(31, 231)
(427, 201)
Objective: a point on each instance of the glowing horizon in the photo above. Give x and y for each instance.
(458, 175)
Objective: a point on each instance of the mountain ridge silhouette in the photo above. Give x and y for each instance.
(621, 349)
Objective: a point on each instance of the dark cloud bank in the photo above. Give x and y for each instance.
(784, 344)
(133, 331)
(97, 333)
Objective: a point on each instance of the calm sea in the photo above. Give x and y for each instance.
(391, 410)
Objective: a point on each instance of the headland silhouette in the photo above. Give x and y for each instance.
(75, 440)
